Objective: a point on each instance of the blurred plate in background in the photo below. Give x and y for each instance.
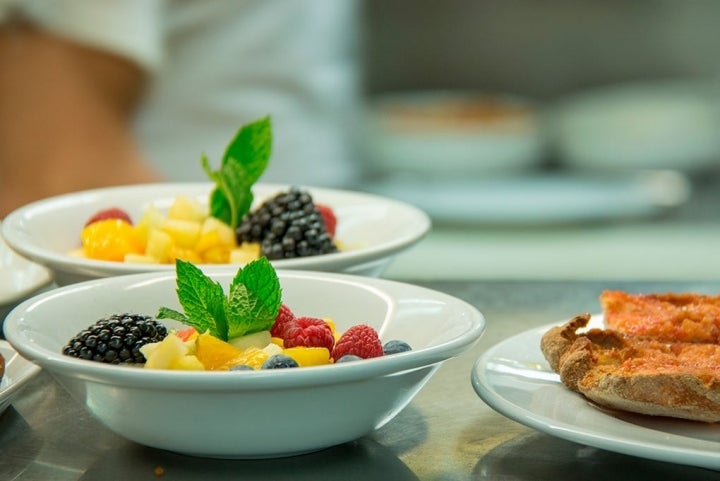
(451, 133)
(543, 198)
(659, 125)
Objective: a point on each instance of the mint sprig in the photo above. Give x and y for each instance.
(251, 305)
(244, 161)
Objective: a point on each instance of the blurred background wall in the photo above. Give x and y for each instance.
(537, 48)
(548, 51)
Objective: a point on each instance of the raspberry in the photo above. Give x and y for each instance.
(109, 213)
(360, 340)
(309, 332)
(328, 217)
(284, 317)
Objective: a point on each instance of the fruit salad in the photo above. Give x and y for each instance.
(222, 228)
(248, 328)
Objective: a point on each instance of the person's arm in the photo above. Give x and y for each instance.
(65, 117)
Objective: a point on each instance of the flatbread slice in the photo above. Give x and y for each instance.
(647, 376)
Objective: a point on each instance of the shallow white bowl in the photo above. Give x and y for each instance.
(372, 229)
(250, 414)
(452, 134)
(669, 124)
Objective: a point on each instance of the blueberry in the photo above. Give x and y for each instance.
(395, 346)
(242, 367)
(349, 358)
(279, 361)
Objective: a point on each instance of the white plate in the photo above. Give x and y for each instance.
(514, 379)
(18, 276)
(541, 199)
(18, 371)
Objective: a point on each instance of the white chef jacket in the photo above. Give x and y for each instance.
(216, 64)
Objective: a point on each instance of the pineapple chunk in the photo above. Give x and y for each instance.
(187, 363)
(185, 208)
(257, 339)
(185, 233)
(151, 219)
(225, 233)
(158, 245)
(162, 354)
(245, 253)
(216, 255)
(140, 259)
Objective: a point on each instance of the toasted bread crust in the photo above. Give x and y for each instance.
(646, 376)
(673, 317)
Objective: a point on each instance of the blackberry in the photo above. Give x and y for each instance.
(116, 339)
(287, 226)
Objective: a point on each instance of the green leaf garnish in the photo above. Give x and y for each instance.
(244, 161)
(254, 299)
(251, 305)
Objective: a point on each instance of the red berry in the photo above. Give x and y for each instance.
(109, 213)
(309, 332)
(360, 340)
(328, 217)
(284, 317)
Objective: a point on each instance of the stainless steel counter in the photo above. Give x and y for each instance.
(447, 433)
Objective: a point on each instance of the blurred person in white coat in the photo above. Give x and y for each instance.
(110, 92)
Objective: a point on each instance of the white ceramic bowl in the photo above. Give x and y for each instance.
(250, 414)
(452, 134)
(372, 229)
(655, 125)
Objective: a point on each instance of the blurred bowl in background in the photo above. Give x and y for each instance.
(451, 133)
(660, 125)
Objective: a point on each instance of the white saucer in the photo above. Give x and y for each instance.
(541, 199)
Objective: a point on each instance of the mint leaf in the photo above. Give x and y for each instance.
(245, 159)
(254, 299)
(167, 313)
(251, 147)
(251, 305)
(202, 299)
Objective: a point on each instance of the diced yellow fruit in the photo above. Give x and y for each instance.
(216, 255)
(225, 233)
(272, 349)
(150, 220)
(278, 341)
(110, 240)
(189, 255)
(208, 240)
(216, 354)
(185, 233)
(185, 208)
(140, 259)
(246, 252)
(257, 339)
(309, 356)
(162, 354)
(187, 363)
(158, 245)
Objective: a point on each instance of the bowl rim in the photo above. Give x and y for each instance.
(245, 380)
(14, 230)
